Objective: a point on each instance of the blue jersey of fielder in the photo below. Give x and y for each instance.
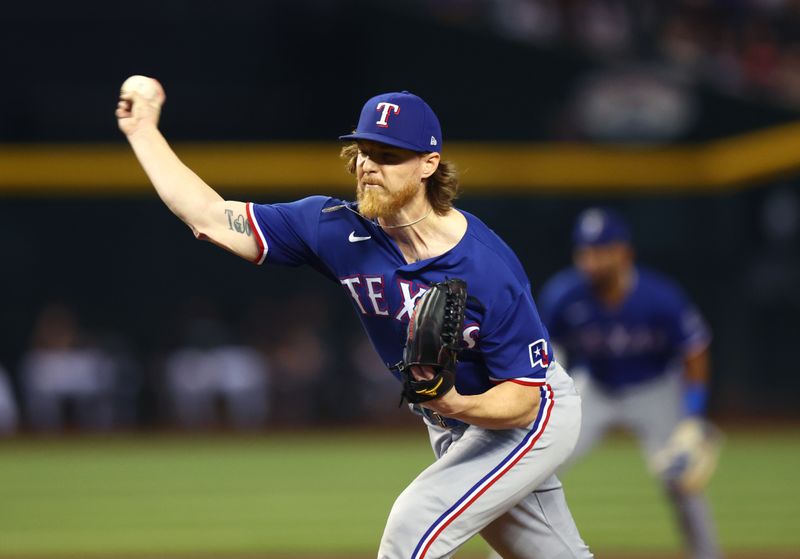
(634, 342)
(503, 337)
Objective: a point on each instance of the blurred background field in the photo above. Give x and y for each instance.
(184, 380)
(327, 493)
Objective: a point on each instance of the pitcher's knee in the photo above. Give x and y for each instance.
(411, 530)
(402, 531)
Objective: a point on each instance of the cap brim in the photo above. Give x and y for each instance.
(384, 140)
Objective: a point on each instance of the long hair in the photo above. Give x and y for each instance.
(441, 188)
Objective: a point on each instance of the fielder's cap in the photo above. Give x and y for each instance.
(597, 226)
(399, 119)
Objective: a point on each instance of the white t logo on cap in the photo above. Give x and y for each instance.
(383, 122)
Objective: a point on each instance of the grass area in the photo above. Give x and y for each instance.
(755, 497)
(330, 492)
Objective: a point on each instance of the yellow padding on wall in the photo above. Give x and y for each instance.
(108, 170)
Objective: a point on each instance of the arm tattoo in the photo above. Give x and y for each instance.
(238, 224)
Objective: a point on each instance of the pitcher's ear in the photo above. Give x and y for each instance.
(430, 162)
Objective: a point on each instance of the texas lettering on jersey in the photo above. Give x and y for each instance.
(369, 298)
(371, 288)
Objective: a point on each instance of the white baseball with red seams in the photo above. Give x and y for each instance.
(148, 88)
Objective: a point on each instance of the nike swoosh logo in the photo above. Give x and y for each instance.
(353, 239)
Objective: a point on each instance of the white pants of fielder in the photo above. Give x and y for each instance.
(496, 483)
(652, 411)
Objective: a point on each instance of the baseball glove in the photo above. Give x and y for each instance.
(690, 457)
(434, 335)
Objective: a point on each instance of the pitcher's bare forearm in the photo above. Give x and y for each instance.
(184, 193)
(237, 235)
(198, 205)
(506, 406)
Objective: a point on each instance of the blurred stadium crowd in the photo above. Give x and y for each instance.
(215, 374)
(651, 57)
(742, 47)
(606, 70)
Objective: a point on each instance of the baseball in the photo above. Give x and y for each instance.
(148, 88)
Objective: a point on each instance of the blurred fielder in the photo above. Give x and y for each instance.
(511, 417)
(644, 349)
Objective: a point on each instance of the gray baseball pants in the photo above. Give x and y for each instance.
(499, 483)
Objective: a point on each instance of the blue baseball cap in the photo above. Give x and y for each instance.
(399, 119)
(597, 226)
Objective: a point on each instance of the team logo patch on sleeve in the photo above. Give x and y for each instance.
(538, 354)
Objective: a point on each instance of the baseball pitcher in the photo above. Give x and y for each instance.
(447, 306)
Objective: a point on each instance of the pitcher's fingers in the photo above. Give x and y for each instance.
(127, 95)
